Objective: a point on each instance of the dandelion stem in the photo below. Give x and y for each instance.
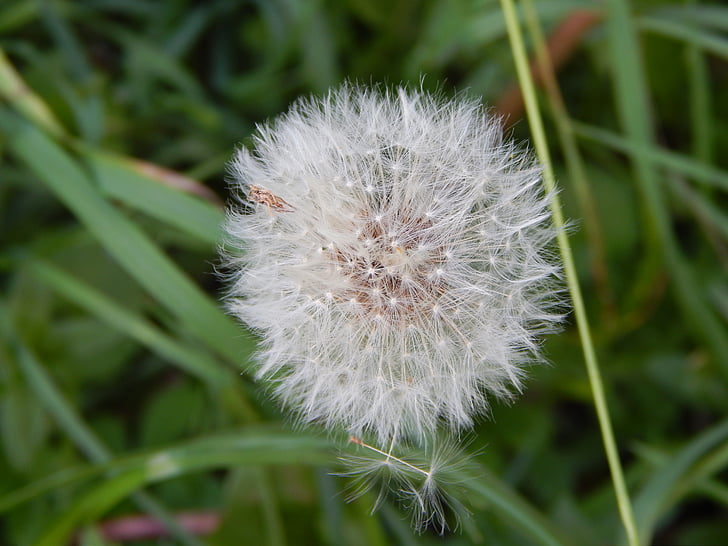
(592, 365)
(359, 442)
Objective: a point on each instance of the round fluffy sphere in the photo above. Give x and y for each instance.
(390, 249)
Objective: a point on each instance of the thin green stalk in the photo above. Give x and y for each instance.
(574, 163)
(592, 366)
(701, 125)
(700, 102)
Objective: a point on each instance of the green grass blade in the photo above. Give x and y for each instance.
(489, 25)
(316, 451)
(14, 15)
(710, 15)
(180, 210)
(269, 507)
(257, 447)
(251, 449)
(696, 481)
(680, 163)
(35, 489)
(14, 90)
(707, 41)
(81, 435)
(57, 405)
(187, 358)
(631, 94)
(710, 214)
(60, 30)
(501, 498)
(582, 321)
(575, 166)
(701, 111)
(132, 249)
(659, 494)
(92, 506)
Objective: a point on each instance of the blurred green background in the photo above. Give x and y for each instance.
(121, 393)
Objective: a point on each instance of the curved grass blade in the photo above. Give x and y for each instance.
(522, 516)
(198, 363)
(183, 211)
(81, 434)
(131, 248)
(132, 324)
(633, 106)
(254, 449)
(14, 90)
(680, 163)
(35, 489)
(707, 41)
(658, 495)
(582, 320)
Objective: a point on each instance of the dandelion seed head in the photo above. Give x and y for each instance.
(397, 270)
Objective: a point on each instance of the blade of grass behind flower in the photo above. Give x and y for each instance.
(331, 520)
(14, 15)
(221, 446)
(701, 115)
(713, 463)
(255, 448)
(710, 15)
(659, 494)
(705, 39)
(592, 365)
(135, 326)
(693, 485)
(633, 107)
(273, 521)
(318, 64)
(76, 474)
(14, 90)
(185, 212)
(490, 25)
(65, 39)
(116, 175)
(680, 163)
(709, 213)
(81, 434)
(396, 526)
(501, 498)
(190, 27)
(133, 250)
(574, 163)
(87, 108)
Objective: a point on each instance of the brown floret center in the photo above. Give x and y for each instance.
(395, 273)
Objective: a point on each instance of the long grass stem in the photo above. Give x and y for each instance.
(592, 365)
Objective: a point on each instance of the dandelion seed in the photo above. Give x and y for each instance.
(429, 486)
(409, 279)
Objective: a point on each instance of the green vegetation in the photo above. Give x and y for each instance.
(125, 390)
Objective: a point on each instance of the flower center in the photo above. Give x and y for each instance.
(395, 273)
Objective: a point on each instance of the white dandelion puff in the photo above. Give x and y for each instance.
(395, 262)
(392, 251)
